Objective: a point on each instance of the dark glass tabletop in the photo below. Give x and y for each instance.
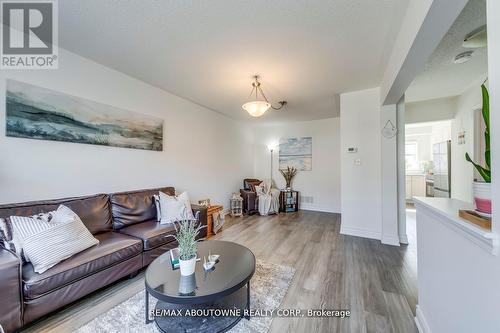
(233, 270)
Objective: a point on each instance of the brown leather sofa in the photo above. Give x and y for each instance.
(250, 199)
(129, 239)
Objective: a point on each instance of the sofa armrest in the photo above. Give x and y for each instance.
(202, 211)
(10, 291)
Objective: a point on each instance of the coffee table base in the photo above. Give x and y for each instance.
(238, 300)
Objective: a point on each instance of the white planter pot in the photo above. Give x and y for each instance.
(482, 196)
(187, 266)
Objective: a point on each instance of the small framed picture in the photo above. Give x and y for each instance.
(204, 202)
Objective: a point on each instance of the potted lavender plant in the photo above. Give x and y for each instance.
(186, 232)
(482, 190)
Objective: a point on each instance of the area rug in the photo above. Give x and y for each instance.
(267, 290)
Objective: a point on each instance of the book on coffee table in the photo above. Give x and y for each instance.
(174, 258)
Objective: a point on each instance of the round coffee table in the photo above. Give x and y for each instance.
(206, 294)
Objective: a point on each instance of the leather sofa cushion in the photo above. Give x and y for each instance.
(93, 210)
(248, 181)
(113, 248)
(129, 208)
(152, 233)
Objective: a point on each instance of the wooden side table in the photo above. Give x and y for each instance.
(210, 219)
(289, 201)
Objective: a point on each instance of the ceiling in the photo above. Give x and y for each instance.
(307, 52)
(441, 77)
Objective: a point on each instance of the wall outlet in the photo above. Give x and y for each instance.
(357, 161)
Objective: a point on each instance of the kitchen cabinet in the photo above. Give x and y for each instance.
(415, 186)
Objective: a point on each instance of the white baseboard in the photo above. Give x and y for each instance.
(318, 208)
(225, 211)
(390, 240)
(421, 322)
(360, 232)
(403, 239)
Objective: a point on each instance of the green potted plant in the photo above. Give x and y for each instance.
(186, 232)
(482, 189)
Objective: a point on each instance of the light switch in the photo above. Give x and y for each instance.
(357, 161)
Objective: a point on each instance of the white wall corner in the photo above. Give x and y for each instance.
(358, 232)
(319, 208)
(389, 177)
(493, 17)
(403, 239)
(421, 322)
(390, 240)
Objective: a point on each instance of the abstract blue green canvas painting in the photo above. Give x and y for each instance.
(39, 113)
(296, 152)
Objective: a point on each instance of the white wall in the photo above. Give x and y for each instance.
(323, 181)
(389, 189)
(457, 279)
(426, 135)
(361, 184)
(493, 16)
(412, 22)
(431, 110)
(423, 137)
(462, 172)
(205, 153)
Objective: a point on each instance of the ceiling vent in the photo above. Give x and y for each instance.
(463, 57)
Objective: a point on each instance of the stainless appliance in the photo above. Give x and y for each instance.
(441, 153)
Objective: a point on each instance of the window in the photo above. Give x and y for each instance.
(411, 156)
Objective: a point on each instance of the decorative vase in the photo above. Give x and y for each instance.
(187, 284)
(187, 266)
(482, 196)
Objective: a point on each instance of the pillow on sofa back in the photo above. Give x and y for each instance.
(173, 208)
(16, 228)
(66, 237)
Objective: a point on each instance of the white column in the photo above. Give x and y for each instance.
(389, 177)
(400, 110)
(493, 16)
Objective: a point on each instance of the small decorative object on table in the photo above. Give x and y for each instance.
(212, 260)
(174, 258)
(186, 237)
(288, 174)
(236, 205)
(482, 190)
(289, 201)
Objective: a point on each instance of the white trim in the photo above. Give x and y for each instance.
(446, 212)
(318, 208)
(421, 322)
(390, 240)
(403, 239)
(225, 211)
(360, 232)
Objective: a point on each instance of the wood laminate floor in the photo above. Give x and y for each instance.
(376, 282)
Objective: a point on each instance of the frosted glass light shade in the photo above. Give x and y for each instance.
(256, 108)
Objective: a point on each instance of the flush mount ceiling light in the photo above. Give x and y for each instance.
(463, 57)
(258, 106)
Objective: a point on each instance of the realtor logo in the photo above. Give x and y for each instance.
(29, 35)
